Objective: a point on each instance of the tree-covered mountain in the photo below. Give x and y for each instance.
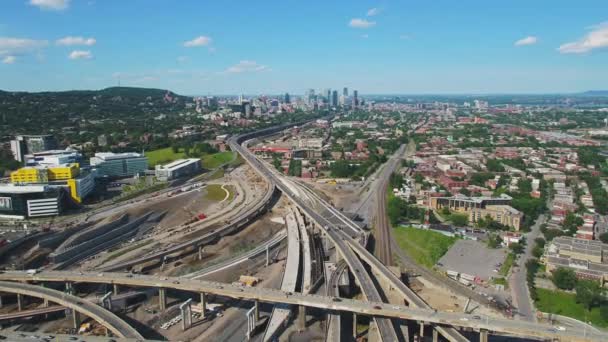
(54, 112)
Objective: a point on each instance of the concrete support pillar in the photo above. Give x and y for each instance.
(251, 323)
(115, 289)
(435, 335)
(186, 312)
(200, 252)
(203, 305)
(354, 326)
(1, 305)
(421, 329)
(483, 336)
(162, 299)
(19, 302)
(256, 311)
(69, 288)
(76, 319)
(106, 301)
(301, 317)
(45, 303)
(267, 255)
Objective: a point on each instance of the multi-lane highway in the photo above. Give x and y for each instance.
(386, 327)
(375, 309)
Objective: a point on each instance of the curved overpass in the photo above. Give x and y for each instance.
(375, 309)
(104, 317)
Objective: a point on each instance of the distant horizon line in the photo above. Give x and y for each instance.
(447, 94)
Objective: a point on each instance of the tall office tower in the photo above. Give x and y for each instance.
(310, 96)
(334, 98)
(355, 98)
(28, 144)
(345, 92)
(247, 109)
(287, 99)
(327, 94)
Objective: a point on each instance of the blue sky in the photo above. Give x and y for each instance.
(229, 47)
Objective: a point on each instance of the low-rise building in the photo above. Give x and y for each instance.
(587, 258)
(177, 169)
(23, 201)
(498, 208)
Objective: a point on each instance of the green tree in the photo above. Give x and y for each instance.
(494, 165)
(564, 278)
(494, 241)
(459, 219)
(517, 248)
(589, 293)
(572, 222)
(550, 234)
(276, 162)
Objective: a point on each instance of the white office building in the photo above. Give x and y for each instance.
(178, 168)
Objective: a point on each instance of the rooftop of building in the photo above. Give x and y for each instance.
(112, 155)
(178, 163)
(461, 197)
(21, 189)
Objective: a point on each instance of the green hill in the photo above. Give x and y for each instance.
(54, 112)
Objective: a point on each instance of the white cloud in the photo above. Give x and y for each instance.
(529, 40)
(361, 23)
(56, 5)
(71, 41)
(365, 36)
(20, 45)
(405, 37)
(198, 41)
(246, 66)
(183, 59)
(596, 39)
(80, 54)
(373, 11)
(9, 60)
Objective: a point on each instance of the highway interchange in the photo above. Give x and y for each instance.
(349, 241)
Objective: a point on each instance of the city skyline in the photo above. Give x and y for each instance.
(376, 47)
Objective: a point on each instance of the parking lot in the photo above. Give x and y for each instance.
(473, 258)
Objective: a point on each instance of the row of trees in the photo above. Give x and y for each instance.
(589, 293)
(194, 150)
(400, 210)
(599, 194)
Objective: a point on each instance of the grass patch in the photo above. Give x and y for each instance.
(506, 266)
(215, 193)
(500, 281)
(163, 156)
(562, 303)
(231, 192)
(217, 174)
(424, 246)
(212, 161)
